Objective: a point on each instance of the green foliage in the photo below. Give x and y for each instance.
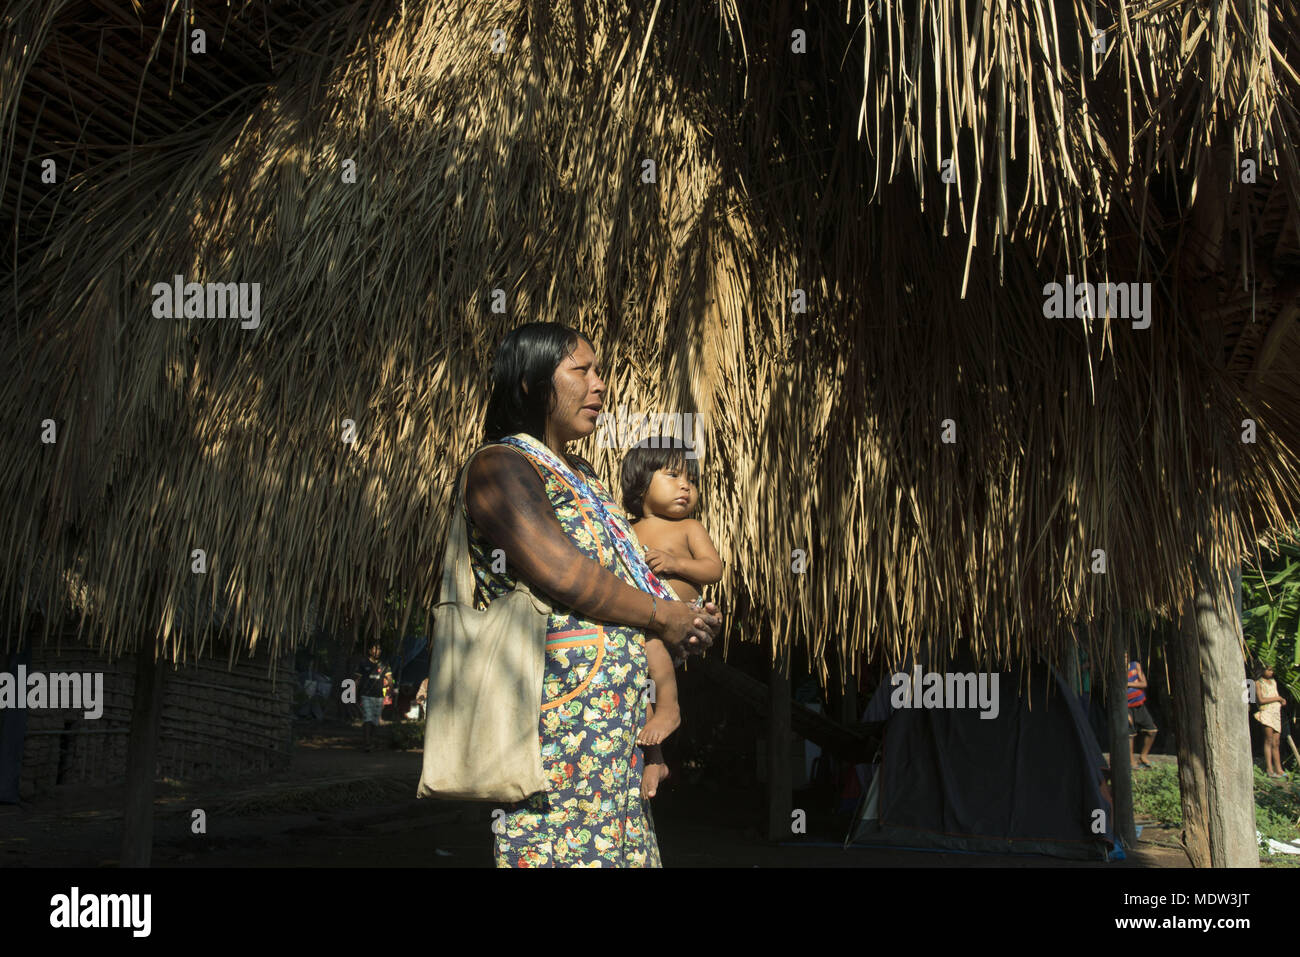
(407, 734)
(1156, 795)
(395, 611)
(391, 631)
(1271, 614)
(1277, 808)
(1277, 804)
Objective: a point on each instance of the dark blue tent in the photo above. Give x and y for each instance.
(411, 662)
(1019, 780)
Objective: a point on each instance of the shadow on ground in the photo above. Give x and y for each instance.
(338, 806)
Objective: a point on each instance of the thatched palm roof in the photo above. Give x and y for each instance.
(522, 170)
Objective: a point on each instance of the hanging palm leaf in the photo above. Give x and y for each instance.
(826, 227)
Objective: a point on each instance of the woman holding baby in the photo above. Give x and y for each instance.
(562, 533)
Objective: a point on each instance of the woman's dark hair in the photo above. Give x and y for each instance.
(643, 460)
(529, 355)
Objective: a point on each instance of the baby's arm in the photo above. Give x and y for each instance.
(704, 567)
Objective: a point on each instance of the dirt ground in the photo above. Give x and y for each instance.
(339, 806)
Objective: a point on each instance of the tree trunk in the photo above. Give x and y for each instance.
(1229, 770)
(779, 798)
(1214, 757)
(142, 760)
(1186, 695)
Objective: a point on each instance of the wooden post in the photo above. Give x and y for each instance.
(1214, 758)
(779, 798)
(1185, 670)
(142, 760)
(1121, 772)
(1229, 770)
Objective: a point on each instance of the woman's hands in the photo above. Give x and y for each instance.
(685, 629)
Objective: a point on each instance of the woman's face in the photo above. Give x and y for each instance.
(579, 395)
(671, 494)
(1268, 672)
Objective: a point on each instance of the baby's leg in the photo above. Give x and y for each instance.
(654, 773)
(667, 716)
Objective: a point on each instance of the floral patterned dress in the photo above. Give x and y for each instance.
(594, 695)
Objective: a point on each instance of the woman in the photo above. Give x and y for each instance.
(527, 498)
(1270, 716)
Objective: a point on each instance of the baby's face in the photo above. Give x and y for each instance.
(671, 494)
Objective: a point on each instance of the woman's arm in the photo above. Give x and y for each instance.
(507, 501)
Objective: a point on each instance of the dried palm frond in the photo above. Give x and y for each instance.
(507, 147)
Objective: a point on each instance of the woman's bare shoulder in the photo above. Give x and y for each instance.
(493, 464)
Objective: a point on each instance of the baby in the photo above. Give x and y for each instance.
(659, 495)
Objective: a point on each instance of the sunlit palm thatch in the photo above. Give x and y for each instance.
(523, 168)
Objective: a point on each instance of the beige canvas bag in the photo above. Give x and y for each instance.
(485, 685)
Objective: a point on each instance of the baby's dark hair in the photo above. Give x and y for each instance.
(643, 460)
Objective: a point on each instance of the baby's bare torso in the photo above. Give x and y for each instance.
(669, 537)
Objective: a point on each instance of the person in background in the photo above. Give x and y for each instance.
(422, 697)
(1139, 718)
(372, 677)
(1270, 716)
